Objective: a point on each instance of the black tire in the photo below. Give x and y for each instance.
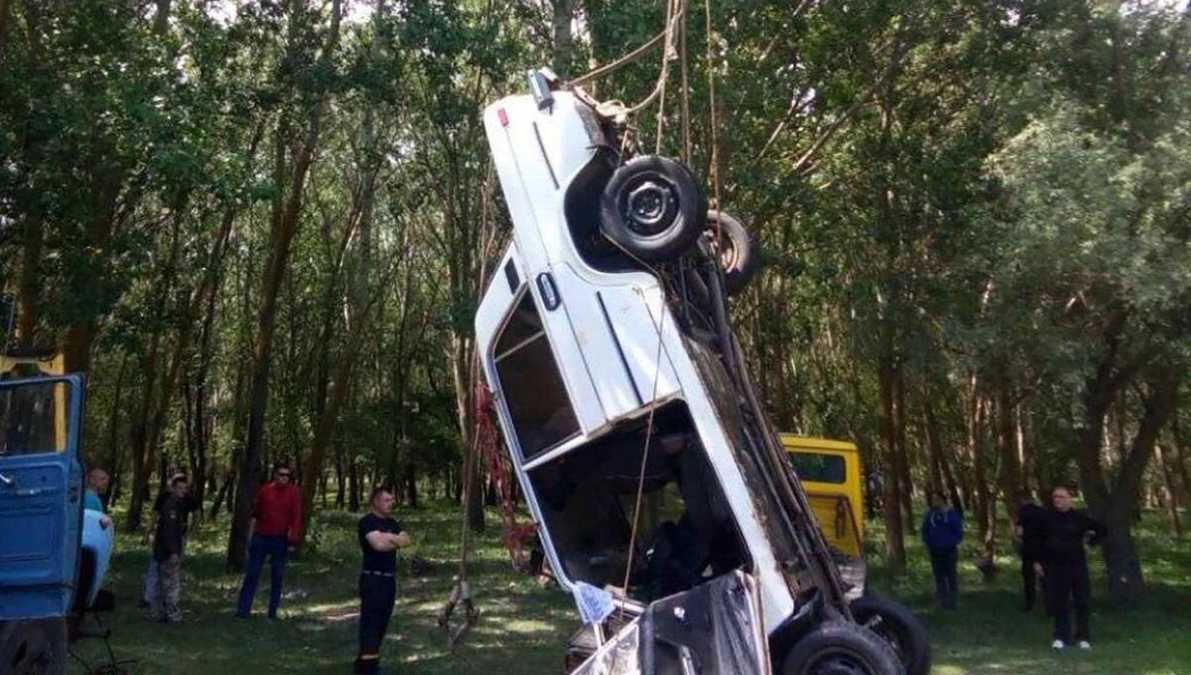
(841, 648)
(898, 626)
(739, 254)
(35, 647)
(653, 208)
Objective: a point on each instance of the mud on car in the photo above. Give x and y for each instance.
(605, 337)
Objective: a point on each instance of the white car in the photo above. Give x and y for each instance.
(605, 331)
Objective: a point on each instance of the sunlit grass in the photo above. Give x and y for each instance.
(524, 628)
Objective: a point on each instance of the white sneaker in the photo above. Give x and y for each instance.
(1084, 644)
(1057, 644)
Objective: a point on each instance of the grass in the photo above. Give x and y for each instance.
(524, 628)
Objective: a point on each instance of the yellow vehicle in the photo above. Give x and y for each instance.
(829, 471)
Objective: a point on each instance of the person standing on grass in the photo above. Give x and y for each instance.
(380, 536)
(1030, 532)
(152, 581)
(942, 531)
(1065, 566)
(276, 526)
(168, 542)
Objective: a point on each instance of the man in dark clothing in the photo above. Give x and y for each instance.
(1065, 531)
(168, 541)
(380, 536)
(1030, 531)
(942, 531)
(190, 504)
(276, 525)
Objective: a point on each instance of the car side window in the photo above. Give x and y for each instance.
(531, 383)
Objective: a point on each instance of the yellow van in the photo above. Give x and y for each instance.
(829, 471)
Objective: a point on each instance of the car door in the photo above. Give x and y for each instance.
(41, 494)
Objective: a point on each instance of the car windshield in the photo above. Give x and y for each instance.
(33, 418)
(819, 467)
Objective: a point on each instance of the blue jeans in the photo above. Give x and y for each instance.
(275, 548)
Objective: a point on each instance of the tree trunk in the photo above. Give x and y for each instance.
(1116, 506)
(1172, 492)
(286, 219)
(1009, 477)
(340, 476)
(411, 485)
(564, 12)
(354, 488)
(30, 282)
(895, 545)
(138, 439)
(903, 456)
(986, 508)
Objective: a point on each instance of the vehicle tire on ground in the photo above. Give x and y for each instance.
(897, 625)
(739, 254)
(841, 648)
(36, 647)
(653, 208)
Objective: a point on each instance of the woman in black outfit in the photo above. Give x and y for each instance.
(1065, 532)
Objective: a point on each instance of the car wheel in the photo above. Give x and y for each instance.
(33, 647)
(898, 626)
(841, 648)
(736, 248)
(653, 208)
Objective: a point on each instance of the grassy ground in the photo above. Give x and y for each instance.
(524, 627)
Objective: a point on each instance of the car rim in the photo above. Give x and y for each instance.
(727, 251)
(650, 204)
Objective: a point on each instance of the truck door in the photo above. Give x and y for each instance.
(41, 494)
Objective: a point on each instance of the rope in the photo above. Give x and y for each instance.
(662, 79)
(686, 97)
(715, 145)
(621, 62)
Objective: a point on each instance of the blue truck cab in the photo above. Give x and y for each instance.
(47, 543)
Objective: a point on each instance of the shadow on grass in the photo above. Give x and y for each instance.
(524, 628)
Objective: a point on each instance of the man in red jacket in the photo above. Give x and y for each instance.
(276, 525)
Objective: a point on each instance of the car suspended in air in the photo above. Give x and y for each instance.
(619, 383)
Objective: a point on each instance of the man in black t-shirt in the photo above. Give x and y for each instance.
(380, 536)
(169, 538)
(189, 505)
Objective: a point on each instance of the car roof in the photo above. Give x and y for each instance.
(795, 442)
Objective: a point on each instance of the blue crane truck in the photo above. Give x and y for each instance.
(53, 553)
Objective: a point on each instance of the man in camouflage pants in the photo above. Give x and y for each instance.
(168, 542)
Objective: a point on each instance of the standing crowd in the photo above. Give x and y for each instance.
(1052, 543)
(274, 530)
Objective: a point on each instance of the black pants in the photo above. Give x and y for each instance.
(943, 563)
(1030, 581)
(1067, 580)
(377, 595)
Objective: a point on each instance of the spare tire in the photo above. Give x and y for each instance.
(653, 208)
(898, 626)
(841, 648)
(739, 254)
